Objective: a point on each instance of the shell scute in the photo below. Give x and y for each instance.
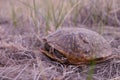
(78, 45)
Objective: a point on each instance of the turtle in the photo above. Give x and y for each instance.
(76, 46)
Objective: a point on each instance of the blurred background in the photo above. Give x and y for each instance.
(23, 23)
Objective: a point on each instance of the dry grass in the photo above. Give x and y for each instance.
(24, 22)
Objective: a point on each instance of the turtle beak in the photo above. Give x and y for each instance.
(43, 41)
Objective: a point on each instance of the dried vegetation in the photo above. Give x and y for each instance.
(24, 22)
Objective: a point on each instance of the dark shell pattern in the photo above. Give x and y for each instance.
(79, 43)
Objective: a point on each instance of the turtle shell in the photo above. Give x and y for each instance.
(76, 46)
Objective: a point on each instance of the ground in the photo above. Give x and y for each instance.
(21, 58)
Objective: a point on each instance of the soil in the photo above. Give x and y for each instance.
(21, 59)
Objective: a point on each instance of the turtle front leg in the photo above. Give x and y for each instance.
(52, 56)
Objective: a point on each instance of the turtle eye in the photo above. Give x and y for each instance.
(44, 40)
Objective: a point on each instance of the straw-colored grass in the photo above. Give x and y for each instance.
(23, 23)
